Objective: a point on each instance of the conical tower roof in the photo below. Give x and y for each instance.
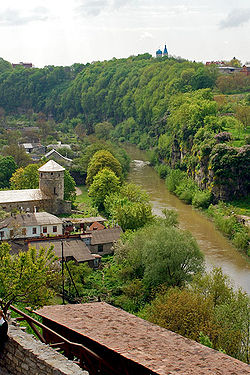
(51, 166)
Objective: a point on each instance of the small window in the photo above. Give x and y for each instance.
(54, 229)
(24, 231)
(44, 229)
(1, 235)
(34, 230)
(100, 248)
(51, 173)
(54, 190)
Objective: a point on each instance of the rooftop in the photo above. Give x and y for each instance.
(75, 248)
(37, 218)
(84, 220)
(53, 151)
(157, 349)
(51, 166)
(25, 195)
(107, 235)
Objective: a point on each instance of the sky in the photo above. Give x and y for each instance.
(64, 32)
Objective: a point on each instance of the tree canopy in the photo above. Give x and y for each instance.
(26, 277)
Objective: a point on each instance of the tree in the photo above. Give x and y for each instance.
(103, 129)
(159, 254)
(7, 168)
(103, 159)
(182, 311)
(27, 277)
(25, 178)
(130, 207)
(69, 187)
(105, 182)
(19, 154)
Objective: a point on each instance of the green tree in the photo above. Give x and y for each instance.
(27, 277)
(69, 187)
(103, 129)
(7, 168)
(105, 182)
(103, 159)
(159, 254)
(19, 154)
(25, 178)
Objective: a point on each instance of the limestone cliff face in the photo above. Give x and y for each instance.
(224, 170)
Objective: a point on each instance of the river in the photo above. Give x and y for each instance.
(217, 249)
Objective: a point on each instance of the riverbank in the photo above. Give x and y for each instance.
(217, 249)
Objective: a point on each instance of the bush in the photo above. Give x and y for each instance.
(227, 225)
(174, 179)
(201, 199)
(241, 240)
(162, 170)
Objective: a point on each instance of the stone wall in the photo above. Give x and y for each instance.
(23, 355)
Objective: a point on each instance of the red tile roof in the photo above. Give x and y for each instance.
(156, 348)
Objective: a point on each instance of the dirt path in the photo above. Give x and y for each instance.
(78, 191)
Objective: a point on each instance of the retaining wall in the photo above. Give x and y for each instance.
(23, 355)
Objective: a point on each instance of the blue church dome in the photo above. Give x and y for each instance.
(159, 52)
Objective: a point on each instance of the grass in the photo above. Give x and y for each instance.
(83, 198)
(83, 202)
(243, 205)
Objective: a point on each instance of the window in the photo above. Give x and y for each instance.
(54, 229)
(1, 235)
(54, 190)
(24, 231)
(51, 173)
(11, 233)
(34, 230)
(100, 248)
(44, 229)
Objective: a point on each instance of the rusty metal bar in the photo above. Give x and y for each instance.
(85, 353)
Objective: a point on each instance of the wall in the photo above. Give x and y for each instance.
(23, 355)
(107, 249)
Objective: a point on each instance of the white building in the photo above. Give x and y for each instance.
(30, 225)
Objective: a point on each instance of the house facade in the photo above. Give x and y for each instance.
(30, 225)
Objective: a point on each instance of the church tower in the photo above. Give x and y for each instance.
(165, 52)
(51, 180)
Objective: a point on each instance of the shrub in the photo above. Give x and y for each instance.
(241, 240)
(162, 170)
(173, 179)
(201, 199)
(226, 224)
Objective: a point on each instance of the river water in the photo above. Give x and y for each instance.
(217, 249)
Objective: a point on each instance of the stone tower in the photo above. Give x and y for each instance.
(51, 180)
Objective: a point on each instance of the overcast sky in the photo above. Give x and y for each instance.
(62, 32)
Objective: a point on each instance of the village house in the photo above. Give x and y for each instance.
(73, 248)
(30, 225)
(102, 240)
(56, 156)
(49, 197)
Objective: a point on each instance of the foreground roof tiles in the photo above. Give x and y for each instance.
(157, 349)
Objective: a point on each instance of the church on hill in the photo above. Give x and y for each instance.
(159, 52)
(49, 196)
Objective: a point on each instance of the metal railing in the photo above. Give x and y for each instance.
(86, 358)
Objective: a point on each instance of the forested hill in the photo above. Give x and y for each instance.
(175, 106)
(114, 90)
